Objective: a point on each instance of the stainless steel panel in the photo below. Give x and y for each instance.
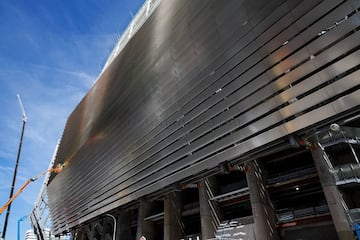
(243, 49)
(355, 4)
(292, 76)
(193, 101)
(327, 21)
(245, 65)
(304, 7)
(271, 10)
(345, 84)
(276, 23)
(312, 117)
(333, 34)
(229, 9)
(340, 48)
(277, 42)
(347, 102)
(316, 12)
(342, 65)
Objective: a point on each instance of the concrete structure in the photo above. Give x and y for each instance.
(209, 210)
(261, 206)
(173, 225)
(334, 199)
(144, 227)
(211, 120)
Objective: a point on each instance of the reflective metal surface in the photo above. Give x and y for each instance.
(201, 83)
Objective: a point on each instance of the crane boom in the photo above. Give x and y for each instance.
(56, 170)
(14, 196)
(24, 117)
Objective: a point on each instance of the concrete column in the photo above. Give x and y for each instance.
(144, 228)
(262, 209)
(123, 231)
(88, 233)
(209, 211)
(173, 226)
(81, 235)
(332, 194)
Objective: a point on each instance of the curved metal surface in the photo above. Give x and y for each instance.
(200, 83)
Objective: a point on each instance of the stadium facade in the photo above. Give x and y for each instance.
(233, 119)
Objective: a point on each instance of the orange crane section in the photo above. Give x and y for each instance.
(56, 170)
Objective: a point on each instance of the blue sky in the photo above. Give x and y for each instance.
(51, 52)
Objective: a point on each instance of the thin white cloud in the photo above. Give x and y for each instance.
(5, 169)
(85, 78)
(52, 71)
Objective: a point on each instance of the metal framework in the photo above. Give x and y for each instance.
(139, 19)
(40, 215)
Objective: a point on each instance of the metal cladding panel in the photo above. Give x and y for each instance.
(200, 84)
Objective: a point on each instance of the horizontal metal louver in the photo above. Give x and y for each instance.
(201, 83)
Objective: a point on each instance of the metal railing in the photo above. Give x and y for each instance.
(139, 19)
(240, 228)
(40, 215)
(295, 173)
(192, 237)
(285, 215)
(344, 135)
(230, 195)
(354, 215)
(347, 173)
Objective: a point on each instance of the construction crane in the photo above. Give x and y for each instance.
(56, 170)
(24, 120)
